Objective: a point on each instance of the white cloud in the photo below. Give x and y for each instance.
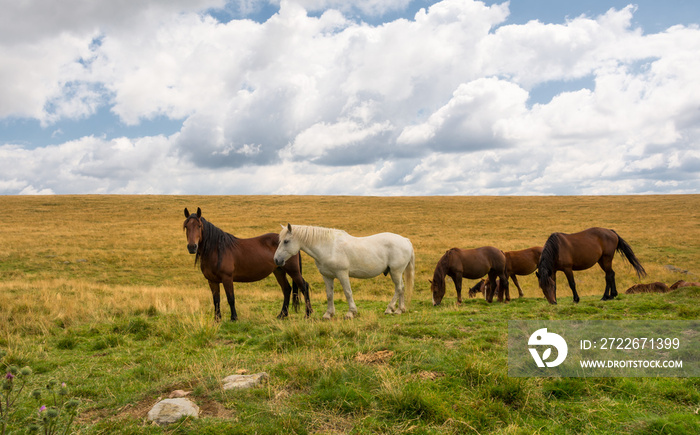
(325, 103)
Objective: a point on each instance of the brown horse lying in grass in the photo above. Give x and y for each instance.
(471, 264)
(580, 251)
(654, 287)
(226, 259)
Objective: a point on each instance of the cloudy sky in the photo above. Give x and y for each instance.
(370, 97)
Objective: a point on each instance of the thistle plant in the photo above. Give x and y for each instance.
(58, 417)
(54, 419)
(13, 383)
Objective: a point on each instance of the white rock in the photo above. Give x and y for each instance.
(244, 381)
(171, 410)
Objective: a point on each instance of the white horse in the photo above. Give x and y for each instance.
(340, 255)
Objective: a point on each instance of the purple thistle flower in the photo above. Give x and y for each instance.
(42, 409)
(9, 375)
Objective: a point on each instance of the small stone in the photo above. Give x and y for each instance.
(244, 381)
(169, 411)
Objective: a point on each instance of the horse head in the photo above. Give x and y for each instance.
(548, 286)
(437, 284)
(478, 288)
(193, 230)
(288, 246)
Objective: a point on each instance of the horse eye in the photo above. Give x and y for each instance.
(286, 241)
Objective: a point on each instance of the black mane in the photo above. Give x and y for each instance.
(441, 270)
(214, 238)
(550, 254)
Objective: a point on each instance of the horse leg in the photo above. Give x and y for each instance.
(572, 283)
(493, 287)
(457, 279)
(610, 287)
(215, 293)
(352, 308)
(228, 287)
(504, 287)
(398, 295)
(307, 298)
(300, 283)
(515, 281)
(613, 286)
(330, 311)
(281, 277)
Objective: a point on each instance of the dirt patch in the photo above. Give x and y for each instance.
(429, 376)
(378, 357)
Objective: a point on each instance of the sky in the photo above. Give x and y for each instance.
(330, 97)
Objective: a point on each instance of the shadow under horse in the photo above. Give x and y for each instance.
(225, 259)
(581, 251)
(471, 264)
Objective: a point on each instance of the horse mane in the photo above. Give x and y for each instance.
(550, 254)
(310, 235)
(441, 269)
(214, 238)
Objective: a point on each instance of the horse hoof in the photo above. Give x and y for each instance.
(327, 316)
(349, 315)
(389, 311)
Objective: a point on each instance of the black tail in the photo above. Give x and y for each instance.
(626, 251)
(295, 290)
(550, 254)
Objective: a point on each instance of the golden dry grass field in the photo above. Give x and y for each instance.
(137, 241)
(72, 262)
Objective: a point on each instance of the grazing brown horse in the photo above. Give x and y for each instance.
(226, 259)
(580, 251)
(471, 264)
(522, 262)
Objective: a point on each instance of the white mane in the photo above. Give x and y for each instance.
(310, 235)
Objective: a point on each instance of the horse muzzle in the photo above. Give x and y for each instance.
(279, 262)
(192, 248)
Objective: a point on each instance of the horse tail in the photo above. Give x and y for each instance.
(295, 289)
(626, 251)
(550, 254)
(409, 276)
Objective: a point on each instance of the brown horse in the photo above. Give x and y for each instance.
(471, 264)
(225, 259)
(580, 251)
(522, 262)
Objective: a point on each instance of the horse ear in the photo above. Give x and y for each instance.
(289, 228)
(199, 212)
(430, 281)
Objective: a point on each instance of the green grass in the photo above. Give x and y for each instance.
(446, 372)
(135, 322)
